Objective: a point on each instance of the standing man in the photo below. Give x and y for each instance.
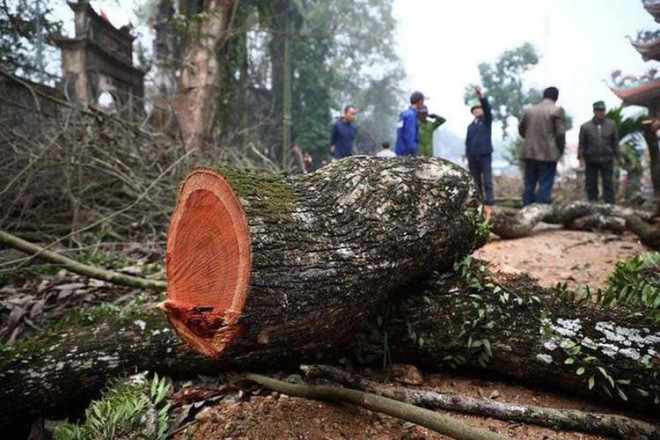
(343, 134)
(543, 127)
(426, 129)
(407, 130)
(599, 145)
(479, 150)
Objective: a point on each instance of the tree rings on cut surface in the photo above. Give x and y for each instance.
(208, 263)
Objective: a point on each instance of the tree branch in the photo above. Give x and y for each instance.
(559, 419)
(79, 268)
(423, 417)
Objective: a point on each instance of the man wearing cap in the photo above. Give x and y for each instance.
(343, 134)
(426, 129)
(598, 146)
(543, 127)
(479, 149)
(407, 130)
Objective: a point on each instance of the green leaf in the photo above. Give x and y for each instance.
(580, 371)
(592, 382)
(569, 361)
(642, 392)
(487, 348)
(622, 395)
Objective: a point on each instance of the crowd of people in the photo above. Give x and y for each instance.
(542, 127)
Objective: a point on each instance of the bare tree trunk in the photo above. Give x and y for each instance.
(268, 262)
(64, 368)
(511, 223)
(523, 331)
(199, 89)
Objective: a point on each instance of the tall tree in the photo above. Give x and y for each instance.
(200, 82)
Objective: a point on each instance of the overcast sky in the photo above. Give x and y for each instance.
(441, 43)
(581, 42)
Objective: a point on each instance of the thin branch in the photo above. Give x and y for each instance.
(79, 268)
(420, 416)
(558, 419)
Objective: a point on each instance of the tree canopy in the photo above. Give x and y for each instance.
(25, 26)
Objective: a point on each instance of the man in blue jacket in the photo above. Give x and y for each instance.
(479, 150)
(407, 130)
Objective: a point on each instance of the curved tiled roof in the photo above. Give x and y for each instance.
(649, 50)
(640, 94)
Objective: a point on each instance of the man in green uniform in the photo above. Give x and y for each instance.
(426, 129)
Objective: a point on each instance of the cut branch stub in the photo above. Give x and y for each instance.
(289, 265)
(208, 262)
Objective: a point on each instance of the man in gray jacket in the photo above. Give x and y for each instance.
(543, 127)
(599, 145)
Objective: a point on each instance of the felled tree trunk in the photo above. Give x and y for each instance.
(54, 373)
(63, 369)
(511, 223)
(524, 333)
(263, 263)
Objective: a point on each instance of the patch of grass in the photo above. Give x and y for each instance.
(133, 408)
(635, 282)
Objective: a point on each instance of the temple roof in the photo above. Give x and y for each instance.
(641, 94)
(648, 44)
(649, 51)
(653, 8)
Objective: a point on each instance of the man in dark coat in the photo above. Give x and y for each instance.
(598, 147)
(342, 137)
(479, 149)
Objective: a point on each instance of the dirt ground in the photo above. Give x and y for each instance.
(554, 255)
(550, 254)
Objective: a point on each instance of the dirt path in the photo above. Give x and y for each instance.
(554, 255)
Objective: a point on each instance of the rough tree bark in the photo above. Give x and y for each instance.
(263, 262)
(509, 223)
(197, 103)
(67, 366)
(520, 330)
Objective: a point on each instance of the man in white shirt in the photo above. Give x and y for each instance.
(386, 152)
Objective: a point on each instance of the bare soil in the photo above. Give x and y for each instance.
(550, 254)
(554, 255)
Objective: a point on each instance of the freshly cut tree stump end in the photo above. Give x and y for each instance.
(272, 265)
(208, 263)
